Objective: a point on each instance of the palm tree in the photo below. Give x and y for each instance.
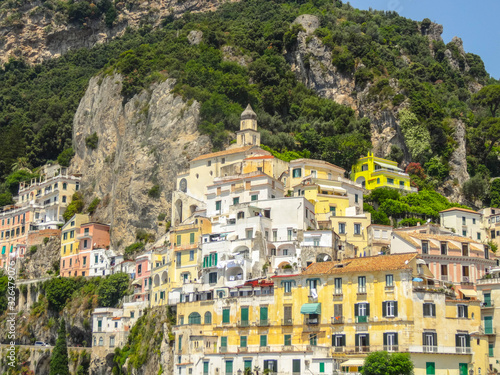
(20, 163)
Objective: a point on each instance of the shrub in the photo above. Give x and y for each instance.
(155, 191)
(162, 217)
(46, 240)
(131, 249)
(93, 205)
(112, 289)
(33, 249)
(75, 207)
(91, 141)
(65, 157)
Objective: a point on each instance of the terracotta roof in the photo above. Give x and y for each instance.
(294, 275)
(222, 153)
(364, 264)
(460, 209)
(260, 157)
(438, 237)
(316, 161)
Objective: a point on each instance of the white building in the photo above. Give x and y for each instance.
(101, 262)
(466, 223)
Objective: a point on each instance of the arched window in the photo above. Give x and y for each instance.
(101, 341)
(194, 318)
(65, 185)
(208, 318)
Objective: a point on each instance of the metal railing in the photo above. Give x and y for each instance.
(243, 323)
(311, 321)
(337, 320)
(263, 322)
(362, 319)
(287, 322)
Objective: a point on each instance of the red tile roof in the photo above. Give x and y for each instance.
(460, 209)
(222, 153)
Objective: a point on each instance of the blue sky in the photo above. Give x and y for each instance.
(476, 22)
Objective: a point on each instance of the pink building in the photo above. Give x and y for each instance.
(142, 282)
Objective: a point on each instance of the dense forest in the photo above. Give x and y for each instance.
(37, 103)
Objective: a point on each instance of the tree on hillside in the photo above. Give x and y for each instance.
(59, 360)
(112, 289)
(495, 193)
(417, 137)
(378, 363)
(488, 96)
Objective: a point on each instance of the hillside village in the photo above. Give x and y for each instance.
(274, 267)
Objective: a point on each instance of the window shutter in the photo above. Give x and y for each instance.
(356, 339)
(466, 311)
(395, 308)
(396, 339)
(367, 340)
(384, 312)
(343, 340)
(435, 339)
(356, 309)
(433, 310)
(385, 338)
(467, 341)
(215, 259)
(457, 340)
(367, 309)
(426, 309)
(423, 338)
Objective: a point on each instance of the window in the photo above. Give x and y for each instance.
(464, 233)
(132, 314)
(225, 315)
(297, 172)
(444, 248)
(463, 311)
(287, 286)
(209, 163)
(101, 341)
(179, 259)
(429, 310)
(205, 367)
(289, 234)
(64, 264)
(313, 339)
(191, 238)
(241, 215)
(288, 340)
(390, 181)
(86, 231)
(84, 260)
(243, 341)
(247, 363)
(72, 234)
(194, 318)
(271, 365)
(85, 243)
(341, 228)
(391, 341)
(296, 366)
(223, 161)
(236, 200)
(362, 342)
(401, 184)
(249, 233)
(263, 340)
(479, 236)
(389, 281)
(429, 340)
(357, 229)
(275, 235)
(361, 284)
(212, 277)
(65, 236)
(333, 210)
(356, 198)
(364, 167)
(464, 220)
(462, 341)
(491, 349)
(362, 312)
(254, 197)
(116, 324)
(70, 262)
(217, 205)
(389, 309)
(191, 255)
(473, 221)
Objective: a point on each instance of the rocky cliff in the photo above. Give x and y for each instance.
(40, 30)
(311, 61)
(141, 146)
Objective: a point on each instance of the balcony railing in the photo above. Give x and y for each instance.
(362, 349)
(243, 323)
(362, 319)
(223, 349)
(287, 322)
(337, 320)
(439, 349)
(444, 277)
(489, 331)
(264, 349)
(463, 350)
(312, 321)
(263, 322)
(486, 305)
(242, 349)
(391, 348)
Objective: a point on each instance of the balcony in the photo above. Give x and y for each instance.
(362, 319)
(463, 350)
(491, 280)
(337, 320)
(287, 322)
(243, 323)
(444, 277)
(391, 348)
(439, 349)
(264, 349)
(311, 321)
(487, 305)
(223, 349)
(243, 349)
(362, 349)
(263, 322)
(489, 331)
(338, 349)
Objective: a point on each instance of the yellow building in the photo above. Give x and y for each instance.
(328, 318)
(354, 230)
(185, 251)
(372, 172)
(303, 168)
(70, 243)
(159, 277)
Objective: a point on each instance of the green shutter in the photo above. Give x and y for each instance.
(488, 324)
(296, 366)
(263, 340)
(243, 341)
(463, 368)
(178, 240)
(205, 368)
(244, 314)
(430, 368)
(225, 316)
(487, 299)
(215, 263)
(223, 341)
(210, 261)
(229, 367)
(191, 238)
(180, 342)
(322, 367)
(263, 313)
(288, 340)
(248, 364)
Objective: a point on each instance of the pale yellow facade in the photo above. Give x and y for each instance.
(69, 241)
(354, 230)
(302, 168)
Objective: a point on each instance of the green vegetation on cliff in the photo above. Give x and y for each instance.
(391, 55)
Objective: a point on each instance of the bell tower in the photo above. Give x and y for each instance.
(248, 134)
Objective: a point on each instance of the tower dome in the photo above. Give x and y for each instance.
(248, 113)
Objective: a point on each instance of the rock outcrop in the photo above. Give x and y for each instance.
(142, 145)
(36, 32)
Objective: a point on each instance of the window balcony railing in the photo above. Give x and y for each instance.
(263, 322)
(489, 331)
(243, 323)
(287, 322)
(362, 349)
(223, 349)
(264, 349)
(337, 320)
(362, 319)
(429, 349)
(444, 277)
(312, 321)
(242, 349)
(463, 350)
(362, 290)
(486, 305)
(391, 348)
(339, 349)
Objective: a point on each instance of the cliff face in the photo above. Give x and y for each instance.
(311, 61)
(142, 145)
(38, 31)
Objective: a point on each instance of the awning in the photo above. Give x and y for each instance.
(418, 279)
(334, 188)
(137, 282)
(469, 292)
(388, 166)
(311, 308)
(355, 362)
